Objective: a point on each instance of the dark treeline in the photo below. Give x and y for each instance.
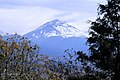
(21, 60)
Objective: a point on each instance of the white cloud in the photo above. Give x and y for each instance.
(78, 19)
(25, 19)
(22, 16)
(22, 20)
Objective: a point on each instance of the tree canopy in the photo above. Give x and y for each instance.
(104, 40)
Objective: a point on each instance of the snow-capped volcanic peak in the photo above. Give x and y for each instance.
(56, 28)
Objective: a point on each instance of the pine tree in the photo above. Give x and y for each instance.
(104, 40)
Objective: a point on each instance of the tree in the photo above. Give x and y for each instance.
(17, 56)
(21, 60)
(104, 40)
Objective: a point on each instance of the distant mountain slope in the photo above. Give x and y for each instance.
(56, 28)
(56, 36)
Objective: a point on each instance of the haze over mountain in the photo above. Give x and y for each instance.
(1, 32)
(56, 36)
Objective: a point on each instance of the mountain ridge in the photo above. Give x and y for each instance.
(57, 28)
(56, 36)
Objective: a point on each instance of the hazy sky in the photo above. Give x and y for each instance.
(22, 16)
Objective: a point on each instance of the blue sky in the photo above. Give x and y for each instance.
(22, 16)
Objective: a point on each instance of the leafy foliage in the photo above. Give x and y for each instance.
(21, 60)
(104, 40)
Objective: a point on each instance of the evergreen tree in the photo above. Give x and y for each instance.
(104, 40)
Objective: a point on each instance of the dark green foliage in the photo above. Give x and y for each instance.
(104, 40)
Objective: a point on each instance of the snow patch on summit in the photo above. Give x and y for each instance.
(57, 28)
